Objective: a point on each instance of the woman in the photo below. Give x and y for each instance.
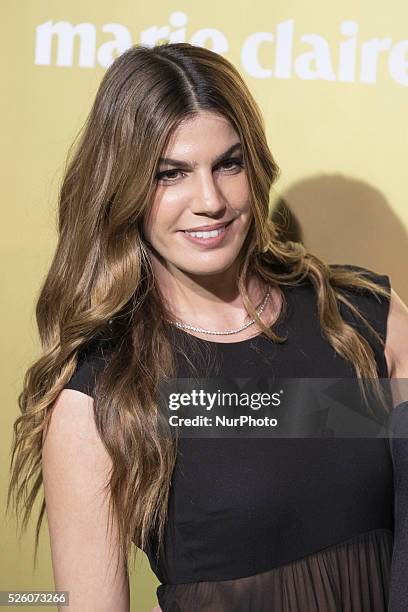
(175, 145)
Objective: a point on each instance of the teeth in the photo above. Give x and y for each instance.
(211, 234)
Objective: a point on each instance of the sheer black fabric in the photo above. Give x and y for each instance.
(349, 577)
(302, 525)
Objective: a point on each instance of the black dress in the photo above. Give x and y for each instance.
(273, 524)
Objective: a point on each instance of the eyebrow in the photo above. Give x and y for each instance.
(186, 166)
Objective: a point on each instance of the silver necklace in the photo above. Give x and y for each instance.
(229, 331)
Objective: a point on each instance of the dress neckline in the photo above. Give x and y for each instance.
(276, 323)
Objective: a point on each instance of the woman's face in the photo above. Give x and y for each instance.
(201, 185)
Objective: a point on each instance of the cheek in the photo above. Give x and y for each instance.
(237, 193)
(162, 218)
(153, 216)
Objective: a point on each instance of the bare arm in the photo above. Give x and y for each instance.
(75, 470)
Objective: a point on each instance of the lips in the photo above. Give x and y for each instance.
(209, 228)
(203, 241)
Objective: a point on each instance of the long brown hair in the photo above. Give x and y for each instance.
(100, 281)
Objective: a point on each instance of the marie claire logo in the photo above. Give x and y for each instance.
(286, 54)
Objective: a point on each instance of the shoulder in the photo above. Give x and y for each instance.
(374, 275)
(388, 315)
(92, 359)
(373, 305)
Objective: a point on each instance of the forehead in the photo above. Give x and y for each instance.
(205, 131)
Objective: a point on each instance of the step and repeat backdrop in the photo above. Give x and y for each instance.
(332, 82)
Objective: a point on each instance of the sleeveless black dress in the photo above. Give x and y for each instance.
(273, 524)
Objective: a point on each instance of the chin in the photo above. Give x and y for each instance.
(207, 268)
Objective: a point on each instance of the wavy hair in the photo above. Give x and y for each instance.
(100, 282)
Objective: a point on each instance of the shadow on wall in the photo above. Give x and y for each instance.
(344, 220)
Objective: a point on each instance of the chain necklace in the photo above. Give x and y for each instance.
(229, 331)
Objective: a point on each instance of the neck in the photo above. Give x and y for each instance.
(208, 301)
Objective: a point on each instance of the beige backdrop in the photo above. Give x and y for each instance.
(332, 81)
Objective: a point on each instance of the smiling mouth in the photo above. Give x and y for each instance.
(209, 233)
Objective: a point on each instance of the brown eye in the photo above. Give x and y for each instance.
(236, 163)
(167, 175)
(171, 176)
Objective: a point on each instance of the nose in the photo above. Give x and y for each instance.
(208, 197)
